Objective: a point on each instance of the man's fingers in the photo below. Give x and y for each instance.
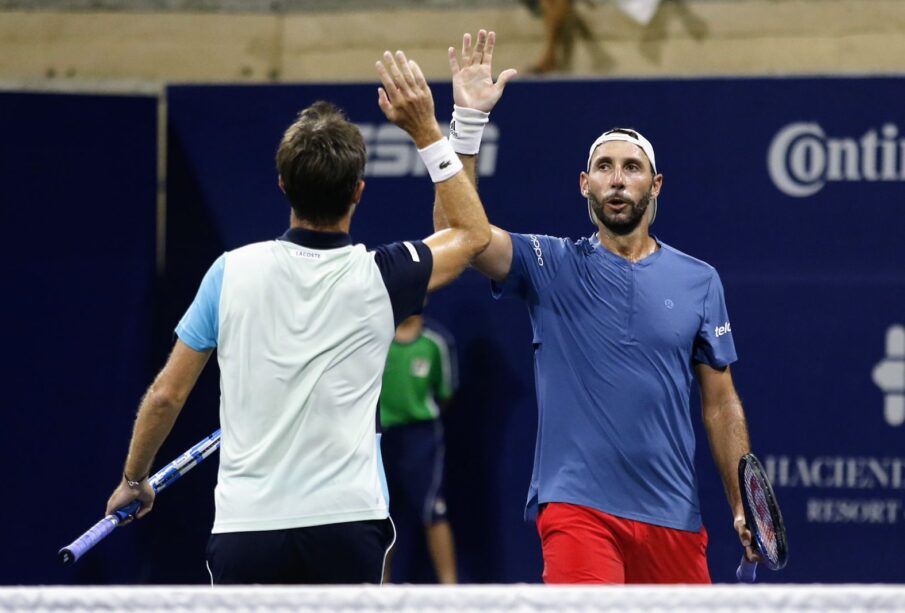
(383, 101)
(479, 47)
(395, 73)
(420, 81)
(506, 76)
(466, 48)
(388, 86)
(488, 50)
(744, 535)
(403, 63)
(453, 61)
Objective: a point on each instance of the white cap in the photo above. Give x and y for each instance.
(629, 136)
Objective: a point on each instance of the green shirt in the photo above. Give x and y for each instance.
(417, 375)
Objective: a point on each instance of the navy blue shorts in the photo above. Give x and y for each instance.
(351, 552)
(413, 462)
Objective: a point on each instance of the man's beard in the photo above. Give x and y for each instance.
(620, 223)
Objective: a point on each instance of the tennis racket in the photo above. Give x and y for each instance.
(763, 517)
(162, 479)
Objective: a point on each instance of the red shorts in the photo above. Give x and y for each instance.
(583, 545)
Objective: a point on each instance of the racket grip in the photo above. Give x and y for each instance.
(77, 548)
(747, 570)
(98, 532)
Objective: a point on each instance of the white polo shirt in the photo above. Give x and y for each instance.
(302, 326)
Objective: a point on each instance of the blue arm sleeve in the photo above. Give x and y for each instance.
(535, 262)
(200, 325)
(406, 268)
(714, 345)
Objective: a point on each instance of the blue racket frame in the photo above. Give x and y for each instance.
(161, 480)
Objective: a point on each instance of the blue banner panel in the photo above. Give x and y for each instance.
(791, 188)
(78, 199)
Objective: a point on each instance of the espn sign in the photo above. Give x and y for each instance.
(391, 152)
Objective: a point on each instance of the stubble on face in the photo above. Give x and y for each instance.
(625, 221)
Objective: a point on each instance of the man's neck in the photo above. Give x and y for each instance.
(337, 227)
(340, 226)
(409, 330)
(634, 247)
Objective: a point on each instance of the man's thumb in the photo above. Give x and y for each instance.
(506, 76)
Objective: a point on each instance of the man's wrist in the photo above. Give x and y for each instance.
(427, 137)
(466, 129)
(133, 483)
(440, 159)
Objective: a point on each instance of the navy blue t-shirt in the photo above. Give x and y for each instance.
(615, 344)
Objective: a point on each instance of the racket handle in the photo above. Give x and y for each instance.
(747, 570)
(98, 532)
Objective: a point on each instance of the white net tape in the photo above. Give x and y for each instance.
(461, 599)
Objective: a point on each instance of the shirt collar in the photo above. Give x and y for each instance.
(595, 244)
(316, 240)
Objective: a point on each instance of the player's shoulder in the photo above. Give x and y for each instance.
(546, 244)
(406, 250)
(251, 249)
(685, 262)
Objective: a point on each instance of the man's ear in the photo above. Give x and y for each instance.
(280, 183)
(356, 195)
(583, 184)
(656, 185)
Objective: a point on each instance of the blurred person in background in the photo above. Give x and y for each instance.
(563, 24)
(418, 383)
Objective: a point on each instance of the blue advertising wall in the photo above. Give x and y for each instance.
(78, 185)
(792, 188)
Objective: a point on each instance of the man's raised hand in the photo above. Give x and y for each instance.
(406, 99)
(472, 77)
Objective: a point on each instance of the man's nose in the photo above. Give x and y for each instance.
(618, 179)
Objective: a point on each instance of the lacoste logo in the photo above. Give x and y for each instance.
(308, 255)
(445, 164)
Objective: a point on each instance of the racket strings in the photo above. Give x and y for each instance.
(763, 518)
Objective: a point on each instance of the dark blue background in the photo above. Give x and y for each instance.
(812, 285)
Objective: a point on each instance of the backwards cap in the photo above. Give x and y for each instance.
(629, 136)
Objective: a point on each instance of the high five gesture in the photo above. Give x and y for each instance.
(472, 76)
(406, 99)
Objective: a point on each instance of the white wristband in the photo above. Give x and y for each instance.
(466, 129)
(440, 159)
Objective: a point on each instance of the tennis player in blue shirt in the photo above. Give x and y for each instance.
(623, 325)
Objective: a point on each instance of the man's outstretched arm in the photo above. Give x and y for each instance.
(406, 100)
(475, 94)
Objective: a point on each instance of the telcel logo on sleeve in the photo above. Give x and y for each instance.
(726, 328)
